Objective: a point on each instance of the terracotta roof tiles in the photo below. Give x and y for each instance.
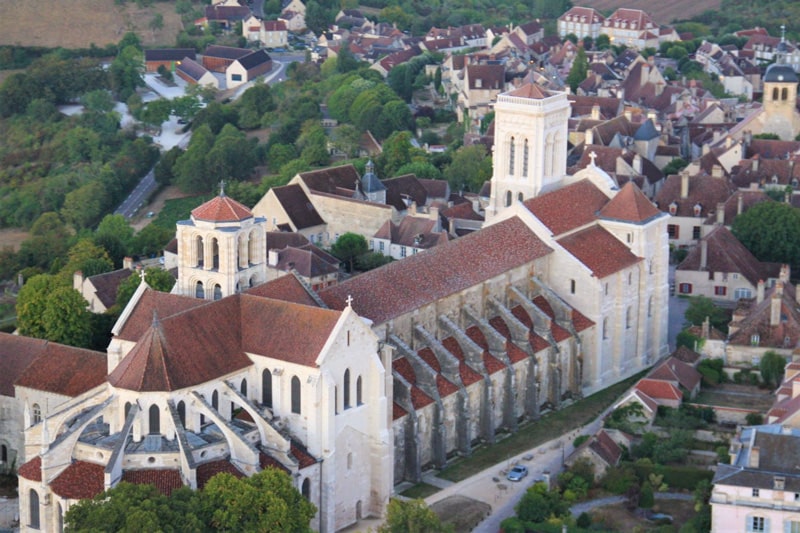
(16, 353)
(222, 209)
(65, 370)
(630, 205)
(402, 286)
(79, 481)
(161, 302)
(599, 250)
(164, 480)
(659, 390)
(285, 288)
(301, 454)
(568, 208)
(32, 470)
(208, 470)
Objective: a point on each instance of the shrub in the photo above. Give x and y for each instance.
(619, 480)
(580, 440)
(584, 521)
(677, 477)
(646, 498)
(754, 419)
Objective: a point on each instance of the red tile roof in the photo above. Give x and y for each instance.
(145, 368)
(418, 398)
(397, 411)
(208, 470)
(222, 209)
(673, 369)
(568, 208)
(285, 288)
(580, 322)
(32, 470)
(630, 205)
(606, 448)
(403, 286)
(492, 364)
(164, 480)
(16, 353)
(164, 304)
(468, 375)
(559, 333)
(530, 90)
(599, 250)
(301, 454)
(445, 387)
(659, 390)
(267, 461)
(80, 481)
(65, 370)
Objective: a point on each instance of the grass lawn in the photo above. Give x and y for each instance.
(420, 491)
(534, 433)
(178, 209)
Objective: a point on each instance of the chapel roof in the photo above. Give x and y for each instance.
(222, 208)
(568, 208)
(630, 205)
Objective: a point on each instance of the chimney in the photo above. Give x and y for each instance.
(77, 280)
(716, 171)
(760, 291)
(645, 74)
(706, 328)
(596, 112)
(795, 388)
(775, 305)
(273, 258)
(739, 204)
(628, 114)
(589, 139)
(637, 164)
(728, 141)
(684, 184)
(754, 166)
(703, 254)
(784, 275)
(720, 213)
(127, 262)
(754, 456)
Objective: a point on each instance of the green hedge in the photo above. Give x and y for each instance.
(676, 477)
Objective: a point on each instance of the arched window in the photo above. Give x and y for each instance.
(628, 318)
(508, 198)
(511, 154)
(525, 159)
(36, 414)
(127, 409)
(217, 292)
(519, 196)
(33, 509)
(182, 412)
(243, 388)
(60, 517)
(775, 93)
(155, 420)
(199, 292)
(784, 94)
(253, 280)
(347, 389)
(215, 253)
(266, 388)
(605, 328)
(295, 395)
(251, 247)
(306, 490)
(359, 399)
(215, 400)
(198, 248)
(3, 453)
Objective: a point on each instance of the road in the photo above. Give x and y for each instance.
(139, 196)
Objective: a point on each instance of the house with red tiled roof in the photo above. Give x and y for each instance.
(581, 22)
(482, 84)
(603, 450)
(289, 252)
(634, 28)
(676, 371)
(412, 235)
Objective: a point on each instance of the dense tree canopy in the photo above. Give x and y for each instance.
(412, 516)
(771, 231)
(49, 308)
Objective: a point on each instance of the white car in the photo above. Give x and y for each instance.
(517, 473)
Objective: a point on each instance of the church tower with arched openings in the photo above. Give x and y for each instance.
(780, 114)
(222, 250)
(530, 145)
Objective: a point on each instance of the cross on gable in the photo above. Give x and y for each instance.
(592, 156)
(349, 300)
(222, 187)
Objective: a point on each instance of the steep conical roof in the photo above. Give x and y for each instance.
(144, 369)
(630, 205)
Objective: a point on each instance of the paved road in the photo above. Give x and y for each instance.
(138, 197)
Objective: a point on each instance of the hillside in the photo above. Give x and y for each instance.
(662, 12)
(79, 23)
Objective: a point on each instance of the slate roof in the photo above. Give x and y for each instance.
(164, 480)
(64, 369)
(402, 286)
(79, 481)
(708, 191)
(169, 54)
(780, 73)
(192, 68)
(298, 207)
(226, 52)
(630, 205)
(331, 180)
(568, 208)
(401, 187)
(725, 253)
(16, 353)
(255, 59)
(106, 285)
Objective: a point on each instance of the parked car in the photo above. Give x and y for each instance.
(517, 473)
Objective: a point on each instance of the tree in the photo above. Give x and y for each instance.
(66, 319)
(700, 308)
(87, 257)
(31, 302)
(231, 157)
(157, 278)
(348, 247)
(99, 100)
(156, 112)
(772, 367)
(126, 72)
(538, 504)
(156, 23)
(412, 516)
(255, 101)
(190, 169)
(469, 169)
(346, 138)
(771, 231)
(578, 71)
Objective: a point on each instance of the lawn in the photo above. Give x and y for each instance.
(178, 209)
(420, 491)
(737, 396)
(534, 433)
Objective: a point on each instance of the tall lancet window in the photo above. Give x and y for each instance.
(511, 156)
(525, 159)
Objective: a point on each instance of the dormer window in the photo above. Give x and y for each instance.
(794, 183)
(697, 209)
(673, 208)
(774, 179)
(755, 339)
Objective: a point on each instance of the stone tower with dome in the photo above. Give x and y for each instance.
(221, 250)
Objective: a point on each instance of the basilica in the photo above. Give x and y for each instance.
(366, 383)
